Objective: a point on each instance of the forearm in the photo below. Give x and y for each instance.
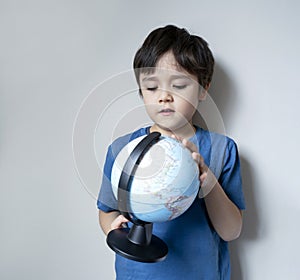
(106, 220)
(223, 213)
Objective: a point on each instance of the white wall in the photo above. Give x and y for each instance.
(53, 53)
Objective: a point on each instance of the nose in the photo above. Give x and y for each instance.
(165, 96)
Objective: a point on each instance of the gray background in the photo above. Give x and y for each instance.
(53, 53)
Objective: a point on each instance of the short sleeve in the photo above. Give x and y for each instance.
(106, 199)
(230, 178)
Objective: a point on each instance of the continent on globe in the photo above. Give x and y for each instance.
(165, 182)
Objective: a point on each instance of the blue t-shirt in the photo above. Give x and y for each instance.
(195, 249)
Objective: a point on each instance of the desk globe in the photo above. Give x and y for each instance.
(155, 179)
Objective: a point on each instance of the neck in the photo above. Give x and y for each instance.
(186, 131)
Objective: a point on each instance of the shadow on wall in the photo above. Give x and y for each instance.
(224, 95)
(251, 223)
(216, 110)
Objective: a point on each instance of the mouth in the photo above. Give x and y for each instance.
(166, 112)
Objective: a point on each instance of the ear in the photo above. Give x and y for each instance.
(203, 92)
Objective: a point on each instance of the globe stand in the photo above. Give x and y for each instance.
(136, 243)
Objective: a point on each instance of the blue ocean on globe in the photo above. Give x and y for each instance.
(165, 183)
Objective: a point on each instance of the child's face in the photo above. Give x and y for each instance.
(170, 94)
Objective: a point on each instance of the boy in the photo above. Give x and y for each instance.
(174, 70)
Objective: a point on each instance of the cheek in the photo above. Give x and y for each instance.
(188, 109)
(148, 99)
(189, 104)
(147, 102)
(150, 107)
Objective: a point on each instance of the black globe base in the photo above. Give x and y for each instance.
(137, 244)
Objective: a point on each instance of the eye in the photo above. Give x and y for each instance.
(180, 86)
(152, 88)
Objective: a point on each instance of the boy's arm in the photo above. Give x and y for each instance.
(224, 215)
(111, 220)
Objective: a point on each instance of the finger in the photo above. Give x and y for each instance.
(203, 177)
(119, 222)
(122, 219)
(200, 161)
(178, 138)
(191, 146)
(196, 157)
(203, 166)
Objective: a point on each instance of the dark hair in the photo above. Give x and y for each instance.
(190, 51)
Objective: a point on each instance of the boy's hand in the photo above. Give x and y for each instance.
(119, 222)
(207, 178)
(224, 215)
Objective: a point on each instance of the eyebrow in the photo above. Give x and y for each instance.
(151, 78)
(173, 77)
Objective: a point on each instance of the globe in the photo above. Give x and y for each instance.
(165, 181)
